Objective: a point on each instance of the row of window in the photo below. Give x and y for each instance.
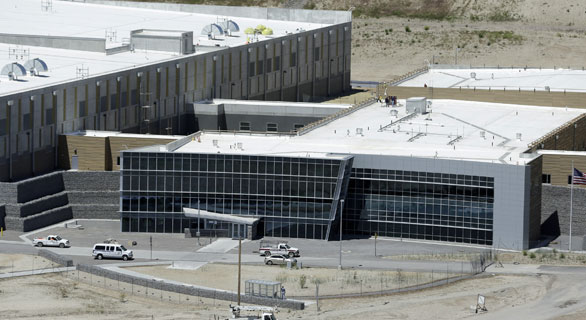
(231, 185)
(272, 227)
(423, 232)
(231, 163)
(415, 176)
(270, 127)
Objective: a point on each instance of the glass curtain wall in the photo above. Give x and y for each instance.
(420, 205)
(293, 195)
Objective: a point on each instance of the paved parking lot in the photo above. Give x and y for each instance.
(96, 231)
(356, 253)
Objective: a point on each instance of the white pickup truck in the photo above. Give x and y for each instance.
(281, 248)
(259, 313)
(51, 241)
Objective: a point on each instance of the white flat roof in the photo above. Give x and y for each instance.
(74, 19)
(453, 130)
(104, 134)
(511, 79)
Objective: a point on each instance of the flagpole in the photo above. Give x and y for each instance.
(571, 206)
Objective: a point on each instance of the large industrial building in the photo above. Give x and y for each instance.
(209, 119)
(133, 67)
(449, 171)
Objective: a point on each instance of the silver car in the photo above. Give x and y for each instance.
(279, 259)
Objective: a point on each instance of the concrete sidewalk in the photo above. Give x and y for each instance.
(222, 245)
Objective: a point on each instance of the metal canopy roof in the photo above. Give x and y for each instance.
(193, 213)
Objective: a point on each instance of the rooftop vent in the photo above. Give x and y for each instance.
(13, 70)
(215, 143)
(394, 112)
(35, 66)
(473, 75)
(359, 131)
(212, 30)
(483, 134)
(519, 136)
(239, 145)
(229, 26)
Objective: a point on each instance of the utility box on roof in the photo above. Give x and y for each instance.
(417, 105)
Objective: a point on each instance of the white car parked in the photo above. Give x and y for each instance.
(279, 259)
(51, 241)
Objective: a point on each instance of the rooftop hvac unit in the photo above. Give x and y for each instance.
(35, 66)
(519, 136)
(417, 105)
(359, 131)
(13, 70)
(239, 146)
(473, 75)
(483, 134)
(215, 143)
(394, 112)
(212, 30)
(229, 26)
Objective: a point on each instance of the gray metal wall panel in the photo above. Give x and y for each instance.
(511, 215)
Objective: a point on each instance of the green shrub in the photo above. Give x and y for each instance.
(407, 29)
(267, 32)
(426, 28)
(525, 253)
(532, 255)
(302, 281)
(562, 256)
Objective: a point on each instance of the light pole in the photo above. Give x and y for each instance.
(341, 215)
(198, 220)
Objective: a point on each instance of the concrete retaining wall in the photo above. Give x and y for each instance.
(71, 43)
(556, 198)
(93, 211)
(37, 221)
(57, 258)
(37, 206)
(91, 180)
(8, 193)
(38, 187)
(301, 15)
(190, 290)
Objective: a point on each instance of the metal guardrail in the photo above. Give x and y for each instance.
(314, 125)
(555, 131)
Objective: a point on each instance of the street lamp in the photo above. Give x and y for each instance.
(341, 214)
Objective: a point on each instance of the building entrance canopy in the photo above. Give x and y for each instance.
(203, 214)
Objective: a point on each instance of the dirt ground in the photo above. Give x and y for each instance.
(23, 262)
(537, 33)
(57, 297)
(331, 281)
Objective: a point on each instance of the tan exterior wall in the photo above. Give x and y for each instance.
(99, 153)
(559, 166)
(117, 144)
(539, 98)
(91, 152)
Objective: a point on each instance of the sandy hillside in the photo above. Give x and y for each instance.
(393, 37)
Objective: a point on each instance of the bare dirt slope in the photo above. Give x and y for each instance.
(489, 32)
(393, 37)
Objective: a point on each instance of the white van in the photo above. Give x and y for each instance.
(111, 250)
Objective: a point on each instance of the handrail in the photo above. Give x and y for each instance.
(335, 116)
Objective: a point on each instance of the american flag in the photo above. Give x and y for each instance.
(578, 177)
